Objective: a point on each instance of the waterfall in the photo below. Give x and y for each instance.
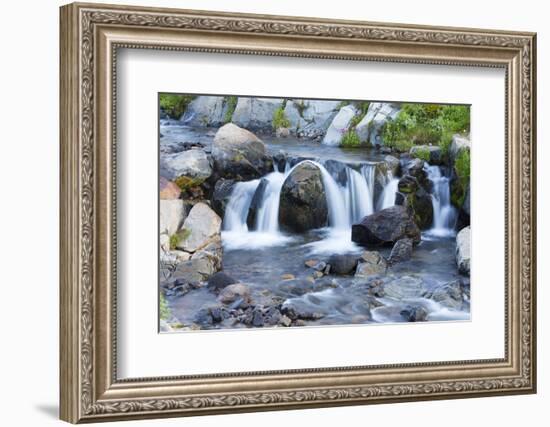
(347, 202)
(387, 197)
(236, 211)
(445, 214)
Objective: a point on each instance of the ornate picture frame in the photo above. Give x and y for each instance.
(90, 37)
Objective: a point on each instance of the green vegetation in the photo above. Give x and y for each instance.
(231, 102)
(279, 119)
(177, 238)
(422, 153)
(426, 124)
(165, 313)
(174, 241)
(462, 170)
(350, 139)
(174, 105)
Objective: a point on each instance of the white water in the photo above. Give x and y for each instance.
(347, 203)
(387, 198)
(445, 214)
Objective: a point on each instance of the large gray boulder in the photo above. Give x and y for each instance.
(385, 227)
(256, 113)
(339, 126)
(303, 204)
(195, 270)
(205, 111)
(171, 216)
(463, 251)
(310, 118)
(192, 164)
(239, 154)
(200, 228)
(458, 143)
(370, 127)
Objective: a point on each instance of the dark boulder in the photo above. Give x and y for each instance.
(416, 200)
(414, 314)
(343, 263)
(255, 204)
(385, 227)
(303, 204)
(221, 195)
(220, 280)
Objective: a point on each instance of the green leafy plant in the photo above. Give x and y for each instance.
(174, 105)
(279, 119)
(422, 153)
(165, 313)
(350, 139)
(426, 124)
(462, 170)
(231, 103)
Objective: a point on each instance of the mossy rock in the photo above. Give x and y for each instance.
(186, 183)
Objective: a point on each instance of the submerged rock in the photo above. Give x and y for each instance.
(414, 314)
(231, 293)
(239, 154)
(450, 295)
(385, 227)
(401, 251)
(220, 280)
(371, 263)
(303, 204)
(404, 287)
(463, 251)
(343, 263)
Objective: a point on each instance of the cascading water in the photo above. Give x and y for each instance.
(387, 197)
(347, 203)
(445, 214)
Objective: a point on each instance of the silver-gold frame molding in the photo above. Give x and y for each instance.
(90, 37)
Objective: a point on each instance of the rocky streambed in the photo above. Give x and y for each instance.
(283, 231)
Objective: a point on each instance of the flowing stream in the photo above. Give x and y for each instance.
(445, 213)
(349, 196)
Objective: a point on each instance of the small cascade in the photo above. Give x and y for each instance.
(387, 197)
(348, 201)
(445, 214)
(236, 211)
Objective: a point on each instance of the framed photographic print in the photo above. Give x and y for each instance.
(267, 212)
